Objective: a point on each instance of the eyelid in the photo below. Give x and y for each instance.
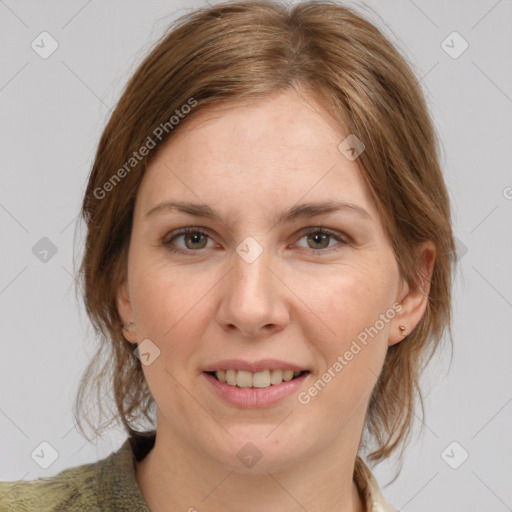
(327, 231)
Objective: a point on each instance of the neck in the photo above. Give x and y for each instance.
(176, 476)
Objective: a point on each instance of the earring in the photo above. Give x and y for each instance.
(125, 326)
(402, 328)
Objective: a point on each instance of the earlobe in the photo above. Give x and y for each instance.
(125, 309)
(415, 296)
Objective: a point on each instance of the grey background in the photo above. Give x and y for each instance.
(52, 113)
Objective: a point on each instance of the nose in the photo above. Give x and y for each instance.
(252, 298)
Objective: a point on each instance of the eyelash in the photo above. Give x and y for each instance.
(307, 232)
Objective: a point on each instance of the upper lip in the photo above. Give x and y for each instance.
(253, 366)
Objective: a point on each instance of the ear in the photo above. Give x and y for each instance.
(125, 309)
(414, 295)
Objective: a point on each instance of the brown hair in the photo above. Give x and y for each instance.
(238, 52)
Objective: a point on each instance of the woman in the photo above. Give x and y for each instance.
(268, 260)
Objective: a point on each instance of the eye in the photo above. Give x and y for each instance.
(319, 238)
(194, 240)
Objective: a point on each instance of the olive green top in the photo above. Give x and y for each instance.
(109, 485)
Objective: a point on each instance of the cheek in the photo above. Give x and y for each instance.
(172, 310)
(353, 343)
(349, 300)
(352, 347)
(165, 296)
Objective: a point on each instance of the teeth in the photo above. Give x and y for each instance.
(288, 375)
(276, 376)
(243, 379)
(231, 377)
(263, 379)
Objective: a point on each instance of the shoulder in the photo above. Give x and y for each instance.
(106, 485)
(71, 489)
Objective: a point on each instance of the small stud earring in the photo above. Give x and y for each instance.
(125, 326)
(402, 328)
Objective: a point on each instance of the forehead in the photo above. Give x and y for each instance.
(274, 152)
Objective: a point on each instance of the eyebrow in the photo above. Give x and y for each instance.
(297, 212)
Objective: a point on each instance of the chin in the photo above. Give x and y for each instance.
(258, 454)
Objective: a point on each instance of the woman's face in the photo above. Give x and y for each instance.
(249, 285)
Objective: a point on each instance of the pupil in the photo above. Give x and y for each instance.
(194, 236)
(319, 235)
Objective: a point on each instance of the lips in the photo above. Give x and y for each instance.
(253, 397)
(248, 384)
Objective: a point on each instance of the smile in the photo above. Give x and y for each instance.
(260, 380)
(250, 397)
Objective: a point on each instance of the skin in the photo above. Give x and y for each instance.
(303, 300)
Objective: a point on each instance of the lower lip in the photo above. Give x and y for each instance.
(250, 398)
